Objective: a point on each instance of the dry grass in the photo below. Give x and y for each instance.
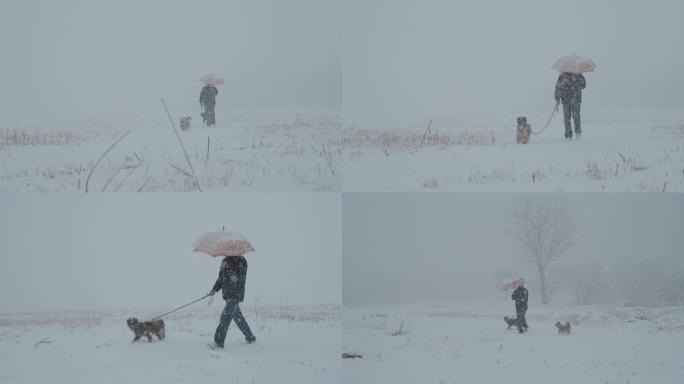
(315, 315)
(431, 183)
(594, 172)
(69, 321)
(23, 138)
(270, 128)
(670, 129)
(394, 141)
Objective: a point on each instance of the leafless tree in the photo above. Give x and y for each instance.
(545, 231)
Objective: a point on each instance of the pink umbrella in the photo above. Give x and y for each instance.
(512, 283)
(574, 64)
(223, 243)
(211, 79)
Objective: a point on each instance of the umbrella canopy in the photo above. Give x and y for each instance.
(223, 243)
(512, 283)
(212, 79)
(574, 64)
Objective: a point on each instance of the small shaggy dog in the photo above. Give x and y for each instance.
(146, 328)
(185, 123)
(511, 322)
(563, 328)
(523, 131)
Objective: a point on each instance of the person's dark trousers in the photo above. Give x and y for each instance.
(232, 312)
(522, 323)
(572, 110)
(209, 114)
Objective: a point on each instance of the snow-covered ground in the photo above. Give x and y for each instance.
(620, 150)
(309, 149)
(278, 149)
(294, 344)
(451, 343)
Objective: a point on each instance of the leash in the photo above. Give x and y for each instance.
(168, 313)
(548, 122)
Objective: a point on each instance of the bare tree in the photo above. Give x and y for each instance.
(545, 230)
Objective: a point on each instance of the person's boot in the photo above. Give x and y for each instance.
(214, 346)
(250, 339)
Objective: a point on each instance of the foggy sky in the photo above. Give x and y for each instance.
(406, 61)
(441, 247)
(72, 58)
(73, 252)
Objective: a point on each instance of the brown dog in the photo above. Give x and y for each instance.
(563, 328)
(511, 322)
(523, 131)
(185, 123)
(146, 328)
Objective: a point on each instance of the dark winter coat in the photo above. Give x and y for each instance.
(569, 88)
(520, 296)
(232, 278)
(208, 95)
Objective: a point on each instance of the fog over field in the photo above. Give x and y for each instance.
(73, 252)
(408, 248)
(409, 61)
(72, 59)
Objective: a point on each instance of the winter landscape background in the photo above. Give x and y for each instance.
(473, 67)
(422, 298)
(73, 268)
(77, 76)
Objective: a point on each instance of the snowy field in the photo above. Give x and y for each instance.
(284, 149)
(639, 150)
(294, 344)
(309, 150)
(470, 344)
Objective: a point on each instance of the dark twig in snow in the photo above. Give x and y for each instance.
(134, 168)
(187, 158)
(114, 175)
(425, 134)
(186, 173)
(346, 355)
(44, 341)
(102, 157)
(622, 157)
(143, 186)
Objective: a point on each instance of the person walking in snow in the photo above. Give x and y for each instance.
(208, 102)
(232, 278)
(569, 92)
(520, 296)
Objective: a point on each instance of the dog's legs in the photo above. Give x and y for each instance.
(136, 338)
(149, 337)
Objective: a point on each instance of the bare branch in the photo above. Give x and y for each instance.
(102, 157)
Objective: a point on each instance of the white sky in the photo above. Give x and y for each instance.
(436, 247)
(72, 58)
(406, 61)
(68, 252)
